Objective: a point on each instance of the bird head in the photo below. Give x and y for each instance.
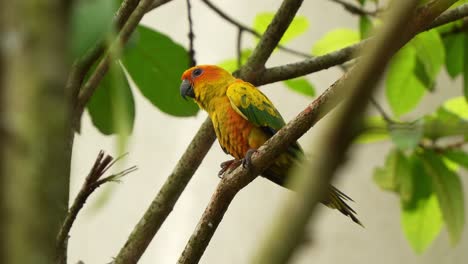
(205, 82)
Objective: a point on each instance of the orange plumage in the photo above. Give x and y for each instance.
(243, 119)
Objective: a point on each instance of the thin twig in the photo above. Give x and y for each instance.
(191, 36)
(93, 181)
(356, 10)
(382, 112)
(239, 47)
(242, 27)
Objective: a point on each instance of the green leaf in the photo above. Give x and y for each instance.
(407, 136)
(365, 26)
(90, 22)
(374, 130)
(448, 188)
(421, 217)
(458, 106)
(155, 64)
(230, 65)
(335, 40)
(454, 48)
(458, 156)
(430, 52)
(298, 26)
(403, 89)
(112, 107)
(444, 123)
(395, 175)
(301, 85)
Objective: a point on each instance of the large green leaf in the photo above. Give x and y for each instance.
(335, 40)
(90, 22)
(421, 217)
(454, 48)
(403, 89)
(430, 52)
(448, 188)
(298, 26)
(112, 108)
(301, 85)
(156, 63)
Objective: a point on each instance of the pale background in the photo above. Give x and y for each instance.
(159, 140)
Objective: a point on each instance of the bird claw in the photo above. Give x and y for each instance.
(247, 160)
(228, 165)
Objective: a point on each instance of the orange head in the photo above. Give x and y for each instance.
(205, 82)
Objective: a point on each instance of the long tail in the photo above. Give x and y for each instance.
(335, 199)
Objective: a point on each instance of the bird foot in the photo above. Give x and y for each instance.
(247, 160)
(228, 165)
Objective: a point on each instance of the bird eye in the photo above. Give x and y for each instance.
(197, 72)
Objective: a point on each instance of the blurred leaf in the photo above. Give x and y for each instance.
(230, 65)
(335, 40)
(301, 85)
(90, 22)
(458, 106)
(365, 26)
(430, 52)
(407, 136)
(395, 175)
(421, 217)
(447, 186)
(403, 89)
(444, 123)
(298, 26)
(454, 48)
(458, 156)
(112, 107)
(374, 130)
(155, 64)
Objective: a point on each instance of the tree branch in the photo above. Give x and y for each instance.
(339, 57)
(234, 181)
(92, 182)
(242, 27)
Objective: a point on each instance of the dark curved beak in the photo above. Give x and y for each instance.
(186, 89)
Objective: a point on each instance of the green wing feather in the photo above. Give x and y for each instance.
(254, 106)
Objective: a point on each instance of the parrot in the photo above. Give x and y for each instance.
(243, 119)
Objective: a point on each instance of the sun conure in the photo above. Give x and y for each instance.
(243, 119)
